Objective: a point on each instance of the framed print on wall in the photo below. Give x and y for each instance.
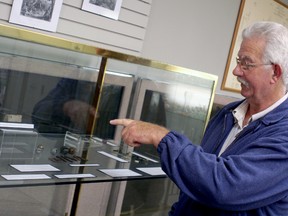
(40, 14)
(251, 11)
(107, 8)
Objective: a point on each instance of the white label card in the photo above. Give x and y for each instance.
(25, 177)
(34, 167)
(119, 172)
(65, 176)
(152, 170)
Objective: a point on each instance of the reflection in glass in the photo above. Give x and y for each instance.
(41, 100)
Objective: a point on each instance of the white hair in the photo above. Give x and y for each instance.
(276, 38)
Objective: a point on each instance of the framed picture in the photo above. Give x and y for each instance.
(107, 8)
(40, 14)
(251, 11)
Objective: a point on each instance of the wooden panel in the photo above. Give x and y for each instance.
(100, 45)
(133, 18)
(75, 3)
(142, 7)
(4, 11)
(93, 34)
(89, 19)
(147, 1)
(136, 13)
(138, 6)
(7, 2)
(124, 35)
(127, 33)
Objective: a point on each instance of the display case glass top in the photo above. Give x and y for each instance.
(32, 159)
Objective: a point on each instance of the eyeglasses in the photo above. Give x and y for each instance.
(247, 66)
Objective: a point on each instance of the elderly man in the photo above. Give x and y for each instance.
(241, 167)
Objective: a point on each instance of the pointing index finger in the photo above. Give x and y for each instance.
(123, 122)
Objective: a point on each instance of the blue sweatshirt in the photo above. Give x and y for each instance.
(250, 177)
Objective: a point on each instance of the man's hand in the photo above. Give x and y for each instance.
(136, 133)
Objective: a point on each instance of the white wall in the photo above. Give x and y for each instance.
(192, 33)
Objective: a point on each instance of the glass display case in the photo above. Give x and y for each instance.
(59, 154)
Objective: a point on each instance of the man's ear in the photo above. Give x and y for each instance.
(277, 72)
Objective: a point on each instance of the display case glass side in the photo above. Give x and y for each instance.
(50, 88)
(51, 83)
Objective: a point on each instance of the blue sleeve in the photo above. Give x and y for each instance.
(241, 181)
